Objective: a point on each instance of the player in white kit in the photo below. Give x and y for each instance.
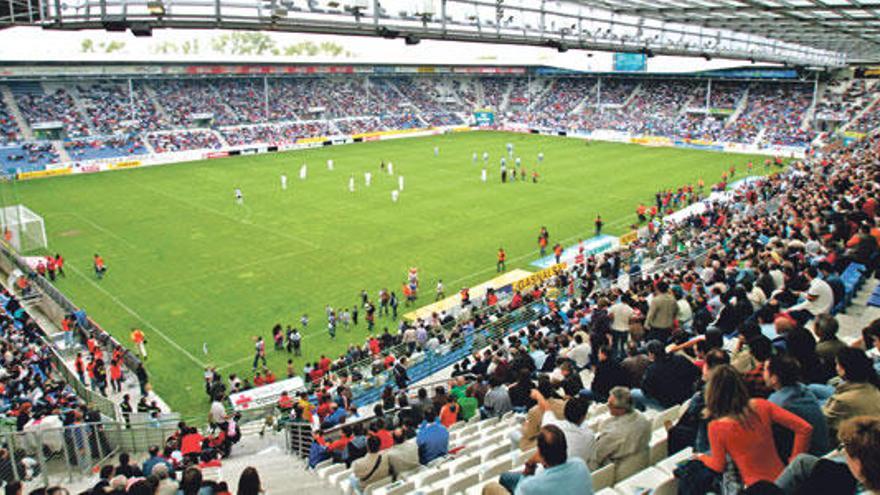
(400, 182)
(540, 157)
(394, 195)
(329, 164)
(475, 157)
(390, 168)
(239, 197)
(436, 151)
(283, 182)
(483, 175)
(485, 156)
(510, 149)
(351, 184)
(303, 171)
(368, 178)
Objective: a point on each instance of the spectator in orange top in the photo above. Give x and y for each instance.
(100, 267)
(59, 264)
(67, 329)
(501, 265)
(259, 381)
(116, 375)
(268, 376)
(285, 403)
(741, 428)
(137, 336)
(449, 412)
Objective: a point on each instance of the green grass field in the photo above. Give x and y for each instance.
(188, 265)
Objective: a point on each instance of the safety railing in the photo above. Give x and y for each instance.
(47, 455)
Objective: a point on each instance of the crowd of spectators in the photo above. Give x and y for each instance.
(108, 147)
(183, 99)
(28, 155)
(869, 120)
(566, 95)
(183, 141)
(779, 110)
(32, 388)
(493, 90)
(357, 125)
(109, 106)
(845, 98)
(655, 108)
(188, 464)
(726, 95)
(9, 131)
(274, 134)
(57, 106)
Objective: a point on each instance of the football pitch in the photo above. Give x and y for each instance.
(192, 268)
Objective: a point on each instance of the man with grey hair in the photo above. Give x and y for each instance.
(165, 486)
(626, 434)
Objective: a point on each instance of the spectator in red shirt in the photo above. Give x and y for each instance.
(742, 428)
(378, 430)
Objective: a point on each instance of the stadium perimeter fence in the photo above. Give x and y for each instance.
(58, 455)
(56, 306)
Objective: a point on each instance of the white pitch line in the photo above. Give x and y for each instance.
(139, 317)
(93, 224)
(229, 217)
(208, 274)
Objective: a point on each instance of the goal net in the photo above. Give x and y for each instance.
(23, 229)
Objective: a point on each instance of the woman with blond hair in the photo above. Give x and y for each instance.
(742, 428)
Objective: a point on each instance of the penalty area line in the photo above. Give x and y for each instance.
(134, 313)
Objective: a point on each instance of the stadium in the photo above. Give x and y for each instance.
(439, 247)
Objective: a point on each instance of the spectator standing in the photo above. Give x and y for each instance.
(137, 336)
(662, 311)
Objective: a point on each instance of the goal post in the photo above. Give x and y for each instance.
(22, 229)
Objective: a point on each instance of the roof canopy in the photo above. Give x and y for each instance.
(826, 33)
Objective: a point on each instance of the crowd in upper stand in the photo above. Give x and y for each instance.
(53, 106)
(776, 112)
(9, 131)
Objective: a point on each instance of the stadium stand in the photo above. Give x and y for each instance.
(755, 113)
(9, 131)
(760, 292)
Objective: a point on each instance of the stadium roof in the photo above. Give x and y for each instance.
(823, 33)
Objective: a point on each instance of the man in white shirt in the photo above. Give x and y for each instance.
(819, 296)
(621, 312)
(579, 439)
(579, 352)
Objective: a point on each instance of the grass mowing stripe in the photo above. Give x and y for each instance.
(134, 313)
